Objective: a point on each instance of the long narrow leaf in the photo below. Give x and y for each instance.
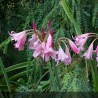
(18, 75)
(5, 75)
(15, 67)
(67, 10)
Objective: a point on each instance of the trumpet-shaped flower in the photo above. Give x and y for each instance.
(81, 40)
(61, 55)
(20, 39)
(68, 59)
(34, 42)
(45, 50)
(38, 50)
(48, 52)
(88, 53)
(73, 47)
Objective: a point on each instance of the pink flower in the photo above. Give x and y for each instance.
(88, 53)
(96, 51)
(45, 50)
(81, 40)
(82, 36)
(73, 47)
(61, 55)
(38, 50)
(49, 41)
(20, 39)
(68, 59)
(48, 52)
(34, 42)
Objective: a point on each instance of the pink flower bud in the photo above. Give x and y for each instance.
(43, 33)
(49, 23)
(49, 41)
(34, 26)
(73, 47)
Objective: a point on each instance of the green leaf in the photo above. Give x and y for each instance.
(17, 75)
(15, 67)
(69, 13)
(5, 75)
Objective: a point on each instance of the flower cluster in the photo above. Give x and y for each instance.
(80, 42)
(43, 45)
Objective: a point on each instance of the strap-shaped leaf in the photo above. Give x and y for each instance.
(5, 74)
(68, 12)
(15, 67)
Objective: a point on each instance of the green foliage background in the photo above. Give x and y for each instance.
(34, 74)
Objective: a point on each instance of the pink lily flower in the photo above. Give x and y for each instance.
(34, 42)
(81, 40)
(49, 41)
(88, 53)
(67, 60)
(96, 51)
(73, 47)
(48, 50)
(38, 50)
(20, 39)
(45, 50)
(47, 53)
(61, 55)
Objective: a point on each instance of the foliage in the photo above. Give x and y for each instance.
(24, 73)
